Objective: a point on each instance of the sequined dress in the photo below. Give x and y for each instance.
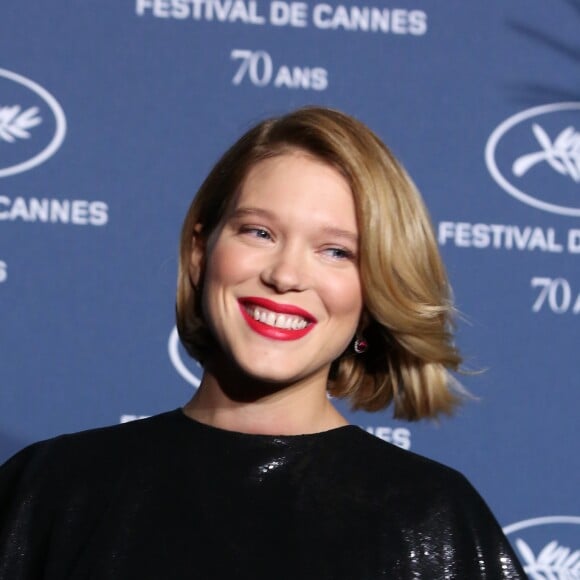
(170, 498)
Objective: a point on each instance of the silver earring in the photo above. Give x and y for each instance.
(360, 345)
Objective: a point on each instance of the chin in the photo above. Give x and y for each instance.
(267, 375)
(278, 373)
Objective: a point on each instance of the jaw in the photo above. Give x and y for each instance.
(260, 381)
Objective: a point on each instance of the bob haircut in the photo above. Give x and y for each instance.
(407, 316)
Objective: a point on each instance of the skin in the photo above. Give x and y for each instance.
(290, 237)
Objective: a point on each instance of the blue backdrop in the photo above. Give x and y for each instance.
(111, 114)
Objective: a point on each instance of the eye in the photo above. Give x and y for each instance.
(256, 232)
(339, 253)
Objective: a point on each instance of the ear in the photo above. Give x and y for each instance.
(197, 257)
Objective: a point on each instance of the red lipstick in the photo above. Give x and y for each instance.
(274, 332)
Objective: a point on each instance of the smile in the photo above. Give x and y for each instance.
(277, 321)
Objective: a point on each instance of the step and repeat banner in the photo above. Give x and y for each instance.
(113, 111)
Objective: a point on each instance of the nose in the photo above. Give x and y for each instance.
(286, 270)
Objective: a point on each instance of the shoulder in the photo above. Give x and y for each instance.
(410, 470)
(95, 450)
(54, 493)
(412, 486)
(75, 475)
(436, 507)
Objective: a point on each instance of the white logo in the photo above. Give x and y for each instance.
(191, 375)
(563, 154)
(15, 123)
(555, 191)
(546, 547)
(32, 124)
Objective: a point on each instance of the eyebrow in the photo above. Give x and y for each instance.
(241, 212)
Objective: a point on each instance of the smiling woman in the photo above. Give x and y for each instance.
(281, 294)
(307, 266)
(325, 173)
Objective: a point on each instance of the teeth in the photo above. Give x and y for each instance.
(278, 320)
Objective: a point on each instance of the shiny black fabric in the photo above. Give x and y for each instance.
(170, 498)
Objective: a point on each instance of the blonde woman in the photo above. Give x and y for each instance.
(308, 267)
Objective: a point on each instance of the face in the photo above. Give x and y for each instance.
(281, 289)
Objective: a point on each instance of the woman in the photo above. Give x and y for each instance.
(308, 267)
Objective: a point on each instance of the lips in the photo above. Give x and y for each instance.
(274, 320)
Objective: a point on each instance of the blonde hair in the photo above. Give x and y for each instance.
(407, 320)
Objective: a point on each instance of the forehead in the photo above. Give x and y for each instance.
(297, 182)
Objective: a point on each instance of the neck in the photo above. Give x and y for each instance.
(293, 410)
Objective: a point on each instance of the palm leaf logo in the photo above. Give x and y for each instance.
(15, 123)
(554, 562)
(563, 154)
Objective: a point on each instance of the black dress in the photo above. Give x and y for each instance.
(171, 498)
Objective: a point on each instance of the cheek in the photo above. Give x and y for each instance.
(220, 271)
(344, 298)
(226, 268)
(228, 265)
(215, 277)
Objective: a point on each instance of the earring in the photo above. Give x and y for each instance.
(360, 345)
